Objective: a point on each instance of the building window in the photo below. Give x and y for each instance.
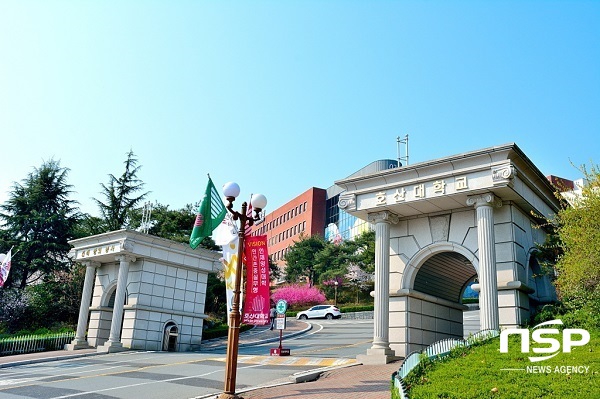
(332, 212)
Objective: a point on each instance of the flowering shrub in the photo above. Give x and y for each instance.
(14, 304)
(298, 295)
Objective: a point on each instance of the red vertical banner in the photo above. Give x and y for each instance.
(256, 302)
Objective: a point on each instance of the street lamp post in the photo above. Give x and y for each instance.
(258, 201)
(335, 285)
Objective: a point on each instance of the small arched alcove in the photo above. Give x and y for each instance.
(170, 337)
(540, 282)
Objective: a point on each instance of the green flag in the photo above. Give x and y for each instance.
(210, 214)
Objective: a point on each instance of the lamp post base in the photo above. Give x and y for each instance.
(225, 395)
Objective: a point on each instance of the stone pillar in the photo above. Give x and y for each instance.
(380, 352)
(114, 340)
(80, 341)
(488, 280)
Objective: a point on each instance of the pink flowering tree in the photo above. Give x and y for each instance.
(298, 295)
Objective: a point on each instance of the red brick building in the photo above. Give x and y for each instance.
(304, 214)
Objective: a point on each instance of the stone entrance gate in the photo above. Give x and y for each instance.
(442, 224)
(141, 292)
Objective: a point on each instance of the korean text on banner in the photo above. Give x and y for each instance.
(256, 305)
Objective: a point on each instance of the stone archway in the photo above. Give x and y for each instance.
(428, 306)
(473, 207)
(134, 284)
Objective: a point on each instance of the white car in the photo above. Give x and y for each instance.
(320, 312)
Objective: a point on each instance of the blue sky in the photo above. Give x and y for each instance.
(280, 96)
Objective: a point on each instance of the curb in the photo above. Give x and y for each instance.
(47, 359)
(312, 375)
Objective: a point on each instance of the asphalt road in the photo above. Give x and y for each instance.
(150, 375)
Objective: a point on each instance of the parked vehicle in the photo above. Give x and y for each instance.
(320, 312)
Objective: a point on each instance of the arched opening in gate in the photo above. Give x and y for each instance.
(435, 309)
(170, 337)
(106, 313)
(539, 281)
(445, 275)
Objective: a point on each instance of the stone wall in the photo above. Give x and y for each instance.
(418, 320)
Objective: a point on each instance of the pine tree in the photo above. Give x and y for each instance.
(121, 195)
(39, 219)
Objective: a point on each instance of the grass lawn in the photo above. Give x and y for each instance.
(477, 373)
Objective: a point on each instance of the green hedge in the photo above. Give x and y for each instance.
(344, 309)
(221, 331)
(360, 308)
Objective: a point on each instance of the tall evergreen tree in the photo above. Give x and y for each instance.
(39, 219)
(361, 251)
(121, 195)
(301, 259)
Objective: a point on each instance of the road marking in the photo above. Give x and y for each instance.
(293, 361)
(145, 383)
(16, 381)
(115, 373)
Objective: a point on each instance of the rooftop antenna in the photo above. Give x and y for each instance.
(405, 157)
(147, 211)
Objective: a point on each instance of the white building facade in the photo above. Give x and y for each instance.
(443, 224)
(141, 292)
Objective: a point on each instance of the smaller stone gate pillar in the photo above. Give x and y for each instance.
(114, 340)
(488, 296)
(80, 342)
(380, 352)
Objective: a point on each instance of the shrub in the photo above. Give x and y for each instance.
(361, 308)
(221, 330)
(581, 309)
(299, 295)
(14, 306)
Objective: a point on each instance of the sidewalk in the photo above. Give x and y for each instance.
(349, 382)
(40, 357)
(353, 382)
